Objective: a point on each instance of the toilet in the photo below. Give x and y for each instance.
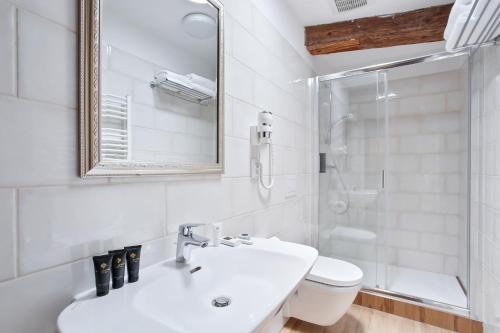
(327, 292)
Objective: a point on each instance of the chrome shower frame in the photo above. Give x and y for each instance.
(467, 51)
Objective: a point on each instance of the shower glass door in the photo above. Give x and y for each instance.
(353, 147)
(394, 184)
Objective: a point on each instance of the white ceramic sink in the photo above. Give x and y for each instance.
(169, 298)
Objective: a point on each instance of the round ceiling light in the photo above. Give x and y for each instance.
(199, 25)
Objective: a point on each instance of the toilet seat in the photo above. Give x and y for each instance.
(335, 272)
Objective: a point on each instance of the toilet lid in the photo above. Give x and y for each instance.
(335, 272)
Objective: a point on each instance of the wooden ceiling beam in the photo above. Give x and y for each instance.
(418, 26)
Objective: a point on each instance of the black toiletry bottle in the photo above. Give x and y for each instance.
(133, 261)
(102, 266)
(118, 267)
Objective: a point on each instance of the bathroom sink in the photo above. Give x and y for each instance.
(170, 297)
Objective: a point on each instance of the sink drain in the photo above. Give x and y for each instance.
(221, 301)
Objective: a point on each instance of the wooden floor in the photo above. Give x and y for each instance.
(364, 320)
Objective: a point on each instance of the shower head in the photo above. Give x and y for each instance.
(346, 117)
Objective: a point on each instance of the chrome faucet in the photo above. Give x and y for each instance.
(185, 239)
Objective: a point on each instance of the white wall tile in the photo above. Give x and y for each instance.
(422, 144)
(440, 203)
(8, 65)
(43, 42)
(266, 34)
(244, 196)
(244, 116)
(404, 126)
(405, 202)
(455, 101)
(8, 234)
(145, 116)
(402, 239)
(239, 80)
(439, 244)
(405, 87)
(237, 225)
(228, 116)
(442, 163)
(248, 50)
(404, 163)
(455, 143)
(228, 34)
(440, 82)
(422, 222)
(451, 265)
(442, 123)
(241, 11)
(197, 202)
(422, 183)
(118, 84)
(237, 157)
(63, 12)
(39, 145)
(131, 65)
(63, 224)
(157, 250)
(268, 96)
(423, 104)
(269, 222)
(184, 143)
(454, 183)
(453, 224)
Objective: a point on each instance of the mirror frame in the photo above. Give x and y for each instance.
(91, 164)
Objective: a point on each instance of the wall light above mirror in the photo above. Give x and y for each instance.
(151, 90)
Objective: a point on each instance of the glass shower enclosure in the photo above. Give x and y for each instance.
(394, 176)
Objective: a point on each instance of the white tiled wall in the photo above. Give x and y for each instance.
(52, 221)
(485, 188)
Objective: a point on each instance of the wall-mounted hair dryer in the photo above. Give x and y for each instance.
(265, 126)
(260, 136)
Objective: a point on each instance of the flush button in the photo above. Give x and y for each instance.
(221, 301)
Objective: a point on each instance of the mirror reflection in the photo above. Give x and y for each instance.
(159, 70)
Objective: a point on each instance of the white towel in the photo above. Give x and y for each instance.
(202, 81)
(172, 76)
(460, 6)
(455, 32)
(184, 80)
(205, 90)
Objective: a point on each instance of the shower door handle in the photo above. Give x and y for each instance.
(322, 162)
(383, 178)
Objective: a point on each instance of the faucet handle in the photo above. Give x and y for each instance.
(185, 229)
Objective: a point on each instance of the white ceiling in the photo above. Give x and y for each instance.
(314, 12)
